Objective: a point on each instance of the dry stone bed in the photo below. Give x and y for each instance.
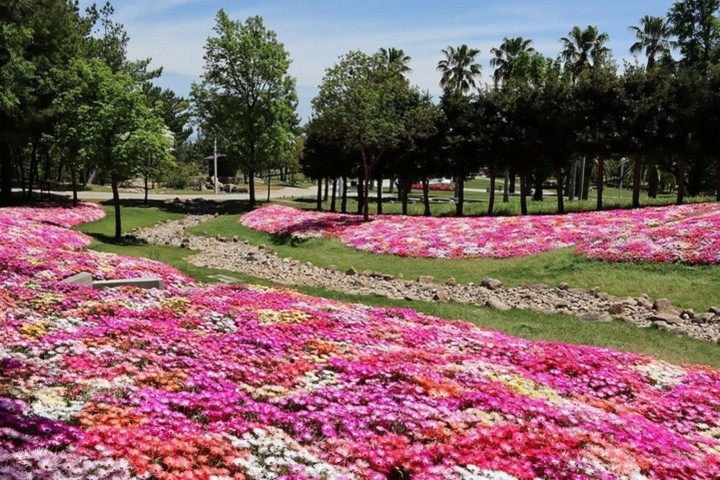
(591, 305)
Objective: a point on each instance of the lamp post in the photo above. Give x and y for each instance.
(215, 178)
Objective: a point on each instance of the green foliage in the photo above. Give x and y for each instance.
(459, 69)
(246, 95)
(697, 27)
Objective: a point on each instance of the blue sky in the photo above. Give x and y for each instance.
(317, 32)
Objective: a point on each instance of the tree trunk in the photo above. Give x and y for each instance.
(366, 189)
(379, 196)
(461, 196)
(343, 202)
(333, 206)
(5, 174)
(717, 179)
(404, 186)
(538, 180)
(506, 187)
(653, 182)
(600, 182)
(426, 196)
(326, 194)
(637, 179)
(268, 185)
(523, 194)
(571, 183)
(73, 178)
(116, 203)
(360, 193)
(491, 200)
(559, 190)
(32, 174)
(318, 204)
(513, 176)
(147, 188)
(251, 187)
(681, 180)
(21, 165)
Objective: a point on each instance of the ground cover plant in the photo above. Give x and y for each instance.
(254, 382)
(695, 240)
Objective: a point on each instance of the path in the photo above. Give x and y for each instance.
(591, 305)
(260, 194)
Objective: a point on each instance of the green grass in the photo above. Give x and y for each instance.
(525, 324)
(687, 286)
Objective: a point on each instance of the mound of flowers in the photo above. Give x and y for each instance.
(501, 237)
(435, 187)
(38, 242)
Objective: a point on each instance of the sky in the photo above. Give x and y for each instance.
(316, 32)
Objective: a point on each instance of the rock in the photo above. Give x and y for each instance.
(687, 314)
(594, 291)
(491, 283)
(387, 277)
(253, 257)
(351, 271)
(715, 310)
(426, 279)
(662, 305)
(644, 302)
(617, 309)
(440, 295)
(367, 273)
(332, 268)
(563, 286)
(703, 318)
(400, 276)
(451, 282)
(669, 318)
(497, 304)
(596, 317)
(235, 239)
(562, 304)
(602, 296)
(538, 286)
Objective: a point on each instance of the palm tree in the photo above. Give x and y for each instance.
(459, 69)
(653, 36)
(396, 56)
(584, 48)
(505, 54)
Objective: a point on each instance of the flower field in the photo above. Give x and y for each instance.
(435, 187)
(686, 233)
(244, 382)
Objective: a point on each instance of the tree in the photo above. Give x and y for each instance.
(114, 126)
(459, 69)
(505, 54)
(697, 28)
(653, 36)
(584, 48)
(246, 93)
(362, 104)
(396, 56)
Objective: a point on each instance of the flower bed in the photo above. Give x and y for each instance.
(498, 237)
(435, 187)
(242, 382)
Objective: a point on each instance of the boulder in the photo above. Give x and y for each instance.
(669, 318)
(351, 271)
(440, 295)
(662, 305)
(491, 283)
(426, 279)
(497, 304)
(451, 282)
(563, 286)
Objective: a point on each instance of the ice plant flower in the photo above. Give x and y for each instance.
(246, 382)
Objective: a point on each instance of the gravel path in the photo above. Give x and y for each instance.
(592, 305)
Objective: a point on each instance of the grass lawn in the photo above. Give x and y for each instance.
(530, 325)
